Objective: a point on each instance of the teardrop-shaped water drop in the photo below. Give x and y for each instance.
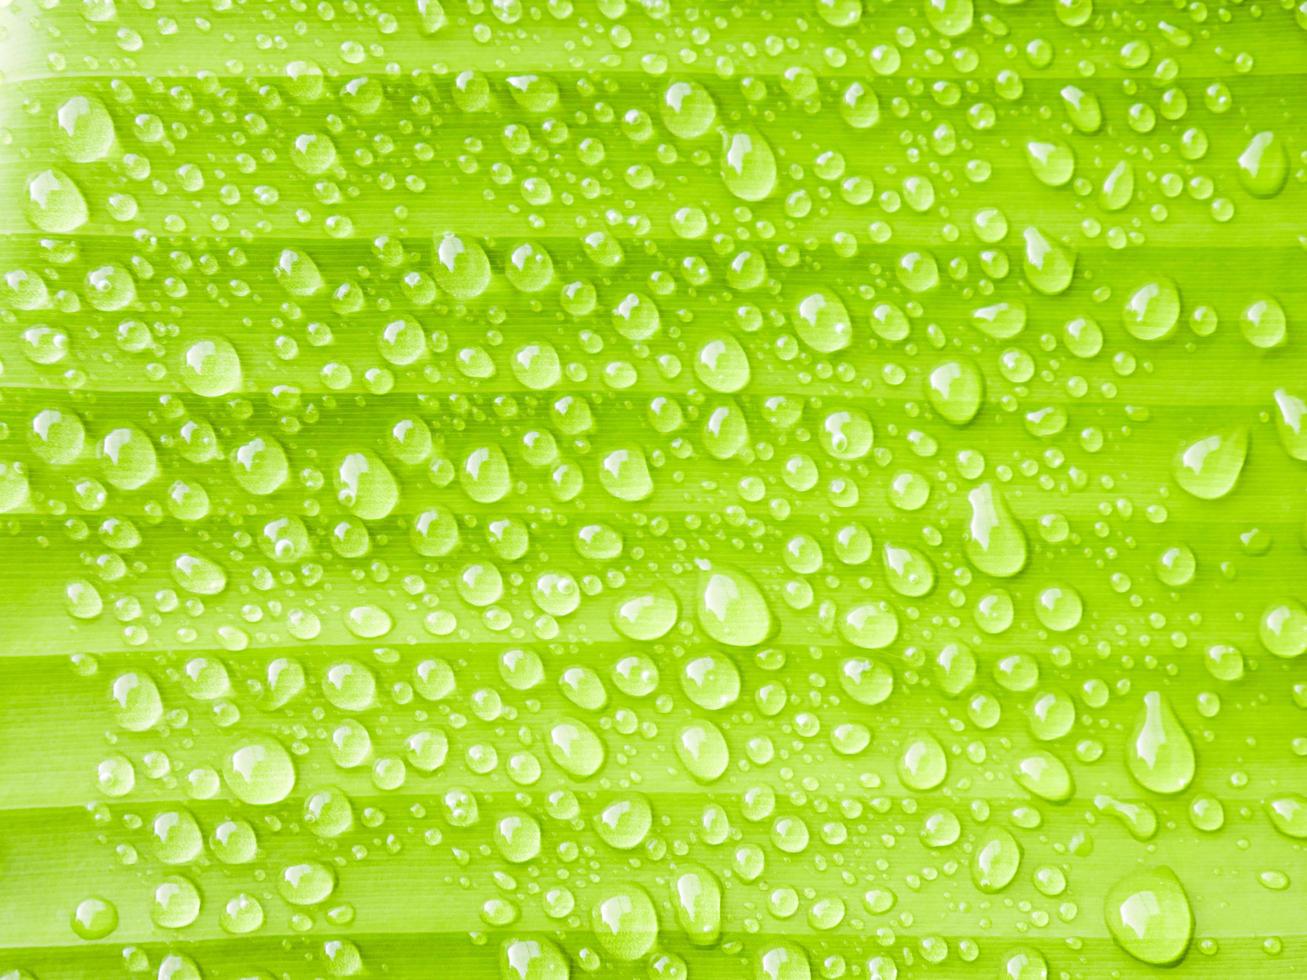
(625, 922)
(748, 165)
(995, 542)
(1118, 187)
(54, 202)
(923, 763)
(84, 129)
(730, 607)
(1208, 468)
(1045, 775)
(461, 266)
(1288, 815)
(298, 273)
(1159, 754)
(823, 322)
(1264, 165)
(907, 570)
(1049, 266)
(1082, 108)
(1152, 311)
(697, 901)
(1291, 423)
(995, 861)
(956, 390)
(365, 486)
(1052, 162)
(688, 110)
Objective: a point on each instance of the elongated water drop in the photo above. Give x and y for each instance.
(1082, 108)
(823, 322)
(1118, 187)
(1049, 267)
(575, 748)
(646, 615)
(748, 165)
(365, 486)
(461, 266)
(702, 749)
(1288, 815)
(1159, 754)
(697, 901)
(956, 390)
(1264, 165)
(730, 607)
(625, 922)
(995, 861)
(995, 542)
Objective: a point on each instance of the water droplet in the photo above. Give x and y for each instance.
(748, 164)
(730, 607)
(995, 544)
(1148, 915)
(1159, 754)
(259, 771)
(1208, 468)
(1264, 165)
(625, 922)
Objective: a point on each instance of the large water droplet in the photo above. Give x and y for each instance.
(956, 390)
(730, 607)
(995, 542)
(1264, 165)
(625, 922)
(1159, 754)
(84, 130)
(748, 164)
(823, 322)
(1208, 468)
(259, 771)
(54, 202)
(697, 901)
(1152, 310)
(461, 266)
(1149, 916)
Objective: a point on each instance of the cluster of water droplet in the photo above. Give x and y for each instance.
(655, 488)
